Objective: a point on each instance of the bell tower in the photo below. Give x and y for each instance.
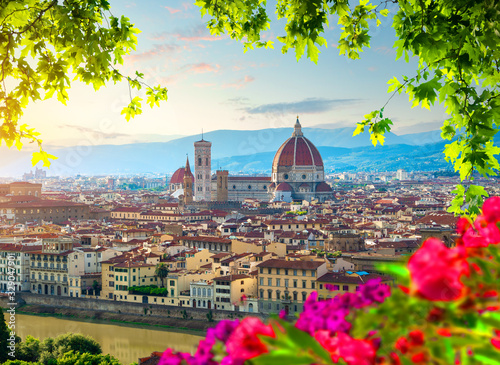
(202, 170)
(188, 184)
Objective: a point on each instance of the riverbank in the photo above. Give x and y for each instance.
(126, 341)
(198, 327)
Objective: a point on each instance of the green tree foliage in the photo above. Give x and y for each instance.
(29, 350)
(96, 287)
(52, 349)
(4, 337)
(71, 358)
(47, 44)
(148, 290)
(17, 362)
(456, 43)
(161, 271)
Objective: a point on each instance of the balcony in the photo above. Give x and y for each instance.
(50, 269)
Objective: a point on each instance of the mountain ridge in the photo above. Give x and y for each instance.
(235, 150)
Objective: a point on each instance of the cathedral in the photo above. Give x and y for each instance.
(297, 174)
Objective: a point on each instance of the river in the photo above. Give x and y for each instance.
(126, 343)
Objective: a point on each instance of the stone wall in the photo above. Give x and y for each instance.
(139, 309)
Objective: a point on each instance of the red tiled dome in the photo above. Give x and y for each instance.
(284, 187)
(178, 176)
(297, 151)
(323, 187)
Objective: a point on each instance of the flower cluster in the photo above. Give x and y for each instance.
(447, 311)
(331, 315)
(239, 338)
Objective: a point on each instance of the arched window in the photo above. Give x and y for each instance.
(209, 292)
(204, 292)
(199, 294)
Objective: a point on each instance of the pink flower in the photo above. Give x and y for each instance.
(491, 209)
(484, 231)
(435, 271)
(342, 346)
(243, 344)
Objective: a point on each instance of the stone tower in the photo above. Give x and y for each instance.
(202, 170)
(188, 184)
(222, 181)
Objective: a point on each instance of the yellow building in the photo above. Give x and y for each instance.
(232, 292)
(200, 258)
(129, 269)
(286, 284)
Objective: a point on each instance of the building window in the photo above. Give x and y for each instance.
(345, 288)
(269, 282)
(278, 282)
(304, 284)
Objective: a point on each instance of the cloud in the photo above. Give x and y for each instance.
(200, 68)
(92, 135)
(172, 10)
(239, 83)
(157, 50)
(306, 106)
(384, 50)
(206, 84)
(237, 101)
(194, 34)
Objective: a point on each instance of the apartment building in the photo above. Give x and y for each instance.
(286, 284)
(15, 266)
(232, 292)
(51, 266)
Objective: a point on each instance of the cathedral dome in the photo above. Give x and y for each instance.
(297, 151)
(178, 176)
(284, 187)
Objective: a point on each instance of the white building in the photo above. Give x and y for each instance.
(202, 294)
(401, 175)
(15, 266)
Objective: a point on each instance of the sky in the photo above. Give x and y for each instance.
(214, 85)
